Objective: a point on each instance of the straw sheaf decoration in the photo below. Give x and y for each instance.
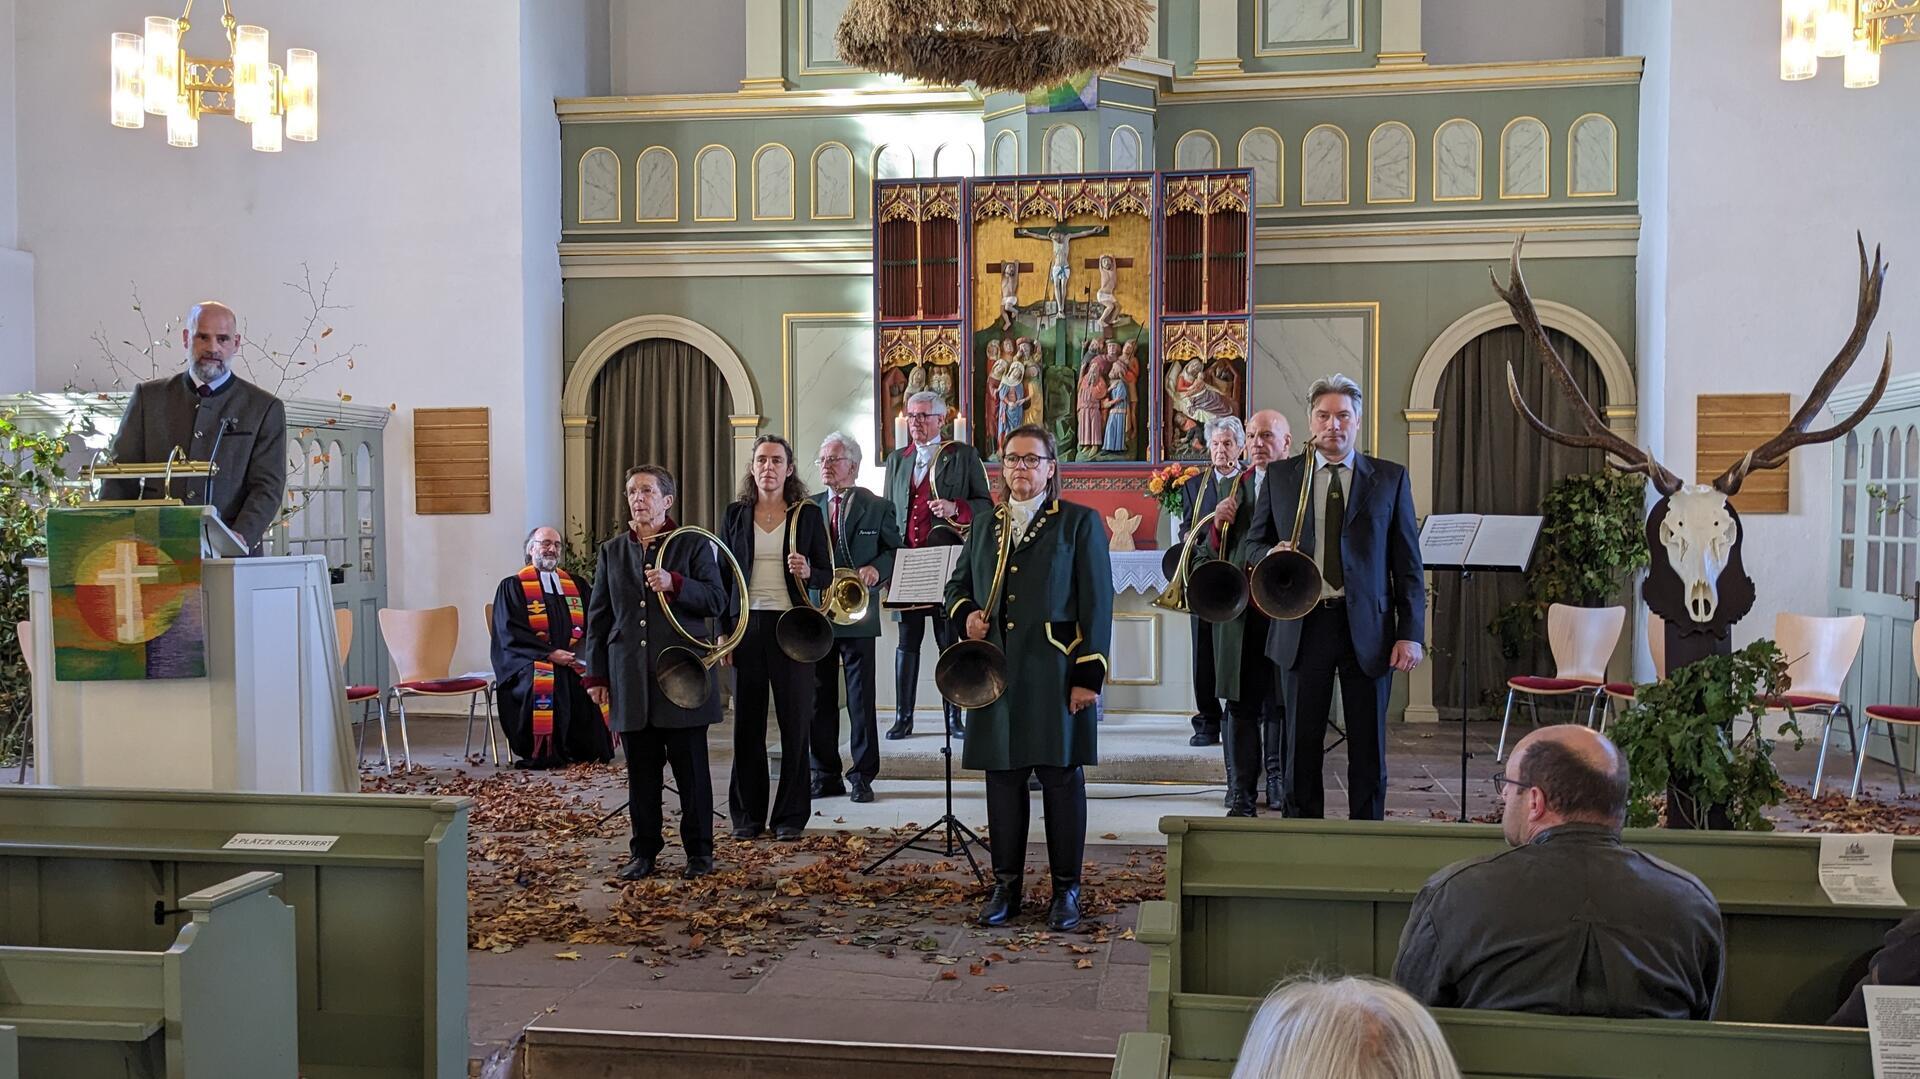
(994, 44)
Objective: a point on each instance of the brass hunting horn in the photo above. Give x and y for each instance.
(682, 671)
(956, 527)
(804, 633)
(1286, 584)
(1214, 588)
(973, 674)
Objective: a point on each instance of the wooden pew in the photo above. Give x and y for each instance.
(380, 949)
(218, 1003)
(1250, 902)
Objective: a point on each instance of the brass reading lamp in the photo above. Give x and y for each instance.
(176, 464)
(1212, 588)
(682, 671)
(973, 674)
(1286, 584)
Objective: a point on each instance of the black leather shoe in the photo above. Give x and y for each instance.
(1275, 798)
(902, 728)
(636, 869)
(1204, 738)
(862, 790)
(697, 867)
(1065, 912)
(787, 833)
(956, 726)
(1241, 806)
(828, 787)
(751, 831)
(1002, 905)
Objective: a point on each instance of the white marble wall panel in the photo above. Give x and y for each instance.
(599, 185)
(659, 195)
(1593, 147)
(1456, 160)
(1006, 154)
(823, 18)
(1390, 164)
(833, 391)
(1323, 166)
(1196, 150)
(1124, 150)
(833, 182)
(893, 162)
(1302, 22)
(1063, 149)
(1293, 348)
(1523, 160)
(713, 179)
(953, 159)
(773, 183)
(1260, 151)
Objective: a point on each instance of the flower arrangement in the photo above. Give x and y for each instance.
(1164, 485)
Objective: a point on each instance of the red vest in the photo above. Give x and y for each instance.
(920, 518)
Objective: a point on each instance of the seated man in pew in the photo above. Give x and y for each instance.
(1896, 963)
(1568, 920)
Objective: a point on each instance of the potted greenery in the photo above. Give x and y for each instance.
(1592, 538)
(1678, 740)
(32, 478)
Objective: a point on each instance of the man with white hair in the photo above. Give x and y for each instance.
(862, 536)
(539, 619)
(936, 488)
(1226, 437)
(209, 413)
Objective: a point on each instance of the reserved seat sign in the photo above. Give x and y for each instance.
(318, 844)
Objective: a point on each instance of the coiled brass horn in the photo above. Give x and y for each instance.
(804, 633)
(846, 598)
(973, 674)
(1213, 589)
(682, 671)
(1286, 584)
(955, 529)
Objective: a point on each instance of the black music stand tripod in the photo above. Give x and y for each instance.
(956, 837)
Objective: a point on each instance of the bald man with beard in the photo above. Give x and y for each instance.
(209, 413)
(1569, 920)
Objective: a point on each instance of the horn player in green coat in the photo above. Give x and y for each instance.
(1053, 620)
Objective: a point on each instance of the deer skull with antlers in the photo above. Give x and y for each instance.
(1692, 525)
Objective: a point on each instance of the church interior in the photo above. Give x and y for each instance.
(1349, 378)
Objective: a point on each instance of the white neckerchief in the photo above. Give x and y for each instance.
(550, 582)
(922, 458)
(1023, 514)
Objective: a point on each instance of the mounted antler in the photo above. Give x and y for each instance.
(1597, 436)
(1773, 453)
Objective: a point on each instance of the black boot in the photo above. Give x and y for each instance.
(1003, 903)
(1064, 914)
(906, 679)
(955, 725)
(1271, 734)
(1233, 786)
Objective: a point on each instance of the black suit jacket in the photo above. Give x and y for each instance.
(1379, 554)
(868, 537)
(252, 480)
(809, 537)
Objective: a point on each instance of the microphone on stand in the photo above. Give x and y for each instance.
(213, 459)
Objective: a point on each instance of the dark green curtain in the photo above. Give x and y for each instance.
(1488, 460)
(660, 402)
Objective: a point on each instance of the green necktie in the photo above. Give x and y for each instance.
(1336, 517)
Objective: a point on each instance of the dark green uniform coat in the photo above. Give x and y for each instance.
(1229, 637)
(1055, 624)
(869, 534)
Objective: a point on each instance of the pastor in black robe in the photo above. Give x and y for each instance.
(580, 733)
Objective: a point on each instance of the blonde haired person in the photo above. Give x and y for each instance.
(1349, 1028)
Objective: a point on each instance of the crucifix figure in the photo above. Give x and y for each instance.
(1109, 286)
(1060, 236)
(125, 578)
(1009, 288)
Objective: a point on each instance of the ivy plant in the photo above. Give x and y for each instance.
(1592, 539)
(32, 480)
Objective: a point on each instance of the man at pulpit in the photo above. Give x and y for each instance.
(209, 413)
(539, 617)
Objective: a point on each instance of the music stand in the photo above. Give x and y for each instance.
(957, 837)
(1469, 543)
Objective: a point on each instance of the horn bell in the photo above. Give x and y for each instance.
(1285, 585)
(971, 674)
(846, 599)
(1216, 590)
(804, 634)
(682, 675)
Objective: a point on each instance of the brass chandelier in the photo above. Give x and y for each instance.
(154, 76)
(1853, 31)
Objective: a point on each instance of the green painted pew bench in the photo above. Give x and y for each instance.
(218, 1003)
(379, 916)
(1250, 902)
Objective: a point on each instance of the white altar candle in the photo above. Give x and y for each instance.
(900, 430)
(959, 428)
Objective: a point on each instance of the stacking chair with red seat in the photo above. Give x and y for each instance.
(364, 696)
(1581, 640)
(421, 643)
(1820, 652)
(1894, 716)
(1621, 694)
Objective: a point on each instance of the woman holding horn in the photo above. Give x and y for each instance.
(642, 586)
(774, 530)
(1035, 581)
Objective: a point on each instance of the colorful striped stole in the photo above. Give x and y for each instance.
(543, 676)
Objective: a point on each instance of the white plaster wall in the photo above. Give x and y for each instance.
(16, 266)
(421, 197)
(1478, 31)
(1766, 183)
(675, 47)
(1646, 30)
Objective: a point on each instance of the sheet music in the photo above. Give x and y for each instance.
(1447, 536)
(1503, 541)
(920, 575)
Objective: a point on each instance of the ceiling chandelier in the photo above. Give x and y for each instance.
(1854, 30)
(994, 44)
(153, 75)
